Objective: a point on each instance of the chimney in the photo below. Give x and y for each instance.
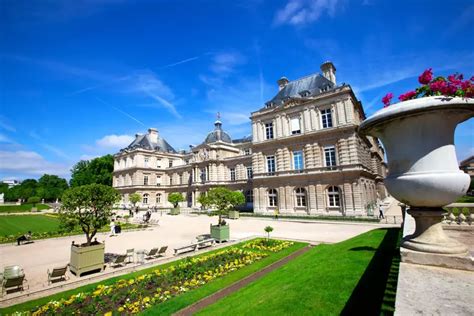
(282, 82)
(153, 134)
(329, 71)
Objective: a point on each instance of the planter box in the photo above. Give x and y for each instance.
(234, 214)
(220, 233)
(34, 209)
(174, 211)
(86, 259)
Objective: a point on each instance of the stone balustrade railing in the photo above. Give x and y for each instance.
(459, 214)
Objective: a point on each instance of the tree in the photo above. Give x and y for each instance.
(268, 230)
(204, 200)
(34, 200)
(225, 200)
(175, 198)
(134, 198)
(88, 206)
(51, 187)
(3, 188)
(27, 188)
(98, 170)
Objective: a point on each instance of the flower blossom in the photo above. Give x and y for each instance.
(386, 99)
(407, 96)
(426, 76)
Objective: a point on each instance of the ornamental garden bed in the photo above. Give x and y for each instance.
(22, 208)
(160, 290)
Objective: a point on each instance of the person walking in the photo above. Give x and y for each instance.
(112, 228)
(381, 216)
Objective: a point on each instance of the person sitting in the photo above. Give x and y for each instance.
(24, 237)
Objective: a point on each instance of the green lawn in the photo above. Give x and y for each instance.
(175, 303)
(20, 224)
(354, 277)
(21, 208)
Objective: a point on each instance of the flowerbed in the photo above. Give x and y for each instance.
(135, 295)
(267, 245)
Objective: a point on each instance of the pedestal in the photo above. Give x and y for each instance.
(429, 236)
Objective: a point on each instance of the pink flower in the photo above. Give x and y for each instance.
(426, 76)
(386, 99)
(407, 96)
(455, 79)
(438, 86)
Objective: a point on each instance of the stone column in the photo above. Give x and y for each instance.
(312, 202)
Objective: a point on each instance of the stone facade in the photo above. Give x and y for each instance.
(304, 157)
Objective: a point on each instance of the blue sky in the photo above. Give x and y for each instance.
(80, 78)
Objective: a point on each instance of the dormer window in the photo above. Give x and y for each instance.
(269, 105)
(304, 93)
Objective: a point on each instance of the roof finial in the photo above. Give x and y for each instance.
(218, 116)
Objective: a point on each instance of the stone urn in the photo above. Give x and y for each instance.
(418, 136)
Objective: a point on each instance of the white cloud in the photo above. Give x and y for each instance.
(301, 12)
(29, 163)
(4, 124)
(226, 62)
(5, 139)
(115, 141)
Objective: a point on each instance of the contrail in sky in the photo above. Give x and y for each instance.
(123, 112)
(180, 62)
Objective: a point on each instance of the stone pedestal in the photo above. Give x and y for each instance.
(429, 236)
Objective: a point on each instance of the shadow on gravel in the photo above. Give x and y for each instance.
(376, 290)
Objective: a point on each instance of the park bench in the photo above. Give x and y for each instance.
(119, 261)
(195, 246)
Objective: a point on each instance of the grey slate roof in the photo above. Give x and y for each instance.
(218, 134)
(305, 87)
(245, 139)
(143, 141)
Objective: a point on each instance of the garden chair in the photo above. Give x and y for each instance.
(118, 261)
(57, 274)
(13, 282)
(12, 272)
(162, 251)
(130, 255)
(151, 254)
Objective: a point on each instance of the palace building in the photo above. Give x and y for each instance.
(304, 156)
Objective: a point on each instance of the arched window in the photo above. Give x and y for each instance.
(272, 198)
(145, 198)
(334, 196)
(158, 198)
(300, 197)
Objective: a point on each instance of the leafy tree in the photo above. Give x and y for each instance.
(27, 188)
(225, 200)
(204, 200)
(51, 187)
(98, 170)
(3, 188)
(175, 198)
(134, 198)
(268, 230)
(13, 193)
(88, 206)
(34, 200)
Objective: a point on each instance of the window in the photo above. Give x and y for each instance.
(272, 198)
(295, 126)
(249, 173)
(203, 175)
(269, 130)
(158, 198)
(146, 161)
(181, 179)
(298, 163)
(330, 156)
(326, 118)
(158, 180)
(145, 198)
(158, 163)
(145, 180)
(247, 151)
(171, 180)
(170, 163)
(249, 196)
(334, 197)
(271, 164)
(300, 197)
(232, 174)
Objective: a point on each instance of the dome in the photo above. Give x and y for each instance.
(218, 134)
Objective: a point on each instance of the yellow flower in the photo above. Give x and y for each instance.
(108, 314)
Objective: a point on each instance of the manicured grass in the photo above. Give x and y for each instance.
(22, 208)
(41, 227)
(466, 199)
(20, 224)
(348, 278)
(175, 303)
